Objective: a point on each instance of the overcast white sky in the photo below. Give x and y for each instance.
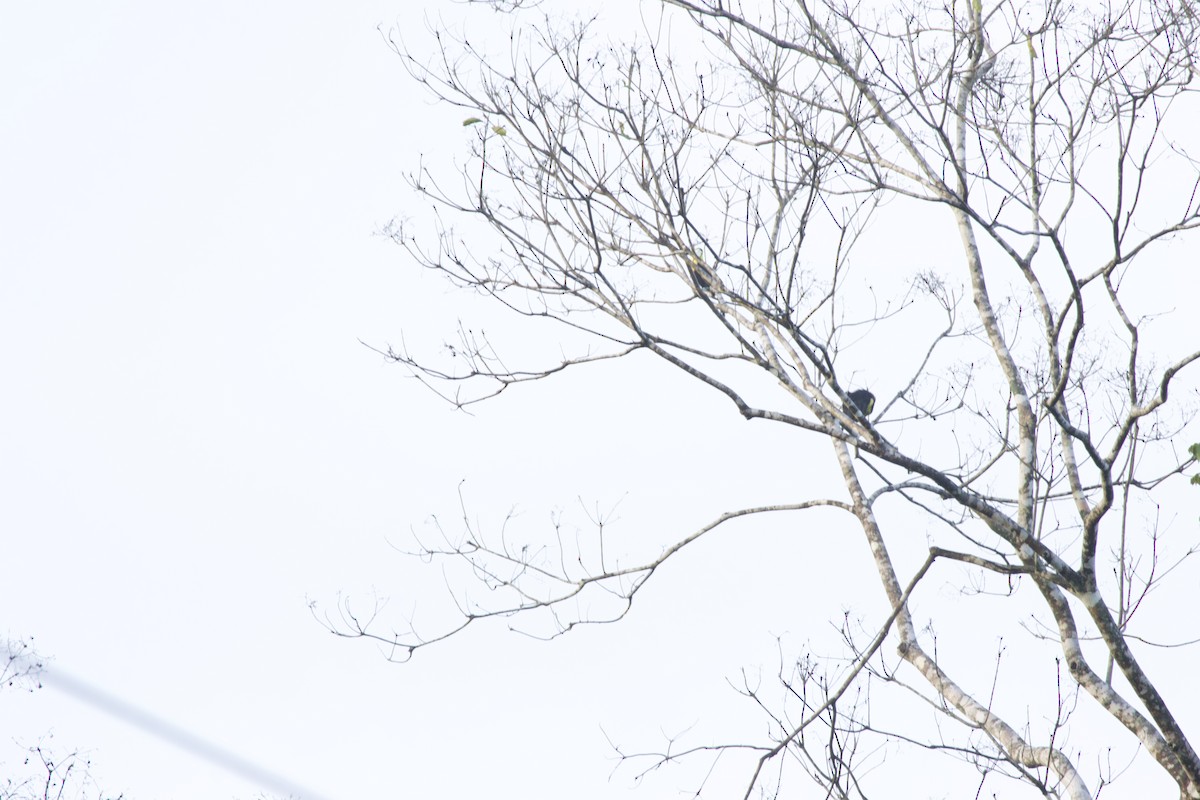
(195, 443)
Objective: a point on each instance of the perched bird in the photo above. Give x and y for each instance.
(863, 401)
(699, 273)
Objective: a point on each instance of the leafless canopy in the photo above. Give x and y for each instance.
(713, 209)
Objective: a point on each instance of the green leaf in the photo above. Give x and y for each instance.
(471, 121)
(499, 130)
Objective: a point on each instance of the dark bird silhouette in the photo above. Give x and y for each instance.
(863, 401)
(699, 273)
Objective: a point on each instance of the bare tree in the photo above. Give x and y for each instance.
(714, 210)
(22, 667)
(53, 777)
(57, 778)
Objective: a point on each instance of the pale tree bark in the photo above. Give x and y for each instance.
(710, 215)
